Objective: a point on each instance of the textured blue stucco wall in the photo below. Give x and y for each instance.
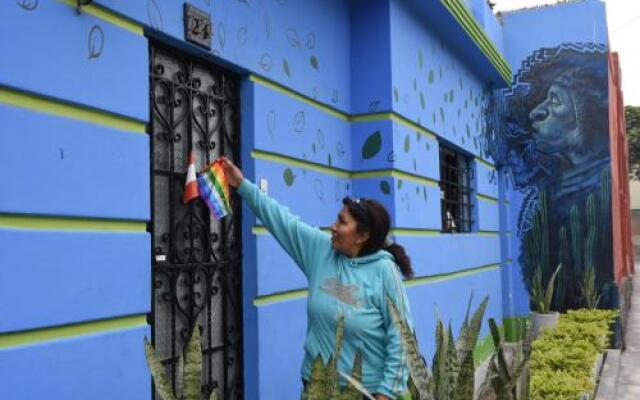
(319, 79)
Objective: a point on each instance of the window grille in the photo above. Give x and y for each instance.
(455, 191)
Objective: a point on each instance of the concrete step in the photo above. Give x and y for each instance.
(608, 383)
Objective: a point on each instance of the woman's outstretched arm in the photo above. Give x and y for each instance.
(301, 241)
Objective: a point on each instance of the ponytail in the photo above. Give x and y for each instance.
(402, 259)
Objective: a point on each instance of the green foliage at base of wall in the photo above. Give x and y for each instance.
(563, 359)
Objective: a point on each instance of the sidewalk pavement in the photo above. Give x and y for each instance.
(629, 373)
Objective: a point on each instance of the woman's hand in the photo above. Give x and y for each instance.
(231, 172)
(381, 397)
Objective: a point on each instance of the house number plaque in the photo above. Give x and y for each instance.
(197, 26)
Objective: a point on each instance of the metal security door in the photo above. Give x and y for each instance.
(196, 261)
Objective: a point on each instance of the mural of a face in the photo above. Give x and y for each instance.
(554, 121)
(553, 140)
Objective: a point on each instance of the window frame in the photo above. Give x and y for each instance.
(457, 202)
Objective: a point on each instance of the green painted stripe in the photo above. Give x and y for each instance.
(294, 162)
(477, 33)
(392, 173)
(485, 163)
(387, 173)
(414, 232)
(301, 293)
(451, 275)
(302, 98)
(41, 104)
(108, 16)
(280, 297)
(486, 198)
(488, 233)
(480, 38)
(34, 336)
(261, 230)
(339, 114)
(395, 117)
(69, 224)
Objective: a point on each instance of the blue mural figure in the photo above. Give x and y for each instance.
(553, 138)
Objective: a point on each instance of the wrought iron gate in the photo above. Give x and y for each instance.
(196, 261)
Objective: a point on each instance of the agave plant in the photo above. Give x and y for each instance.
(452, 375)
(509, 381)
(324, 381)
(189, 372)
(542, 295)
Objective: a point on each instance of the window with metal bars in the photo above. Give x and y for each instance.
(455, 191)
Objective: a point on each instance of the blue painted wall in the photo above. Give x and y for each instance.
(339, 98)
(75, 198)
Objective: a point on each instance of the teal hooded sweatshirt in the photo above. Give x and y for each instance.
(341, 286)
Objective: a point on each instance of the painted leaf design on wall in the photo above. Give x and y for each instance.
(96, 42)
(28, 5)
(422, 103)
(298, 122)
(292, 37)
(451, 95)
(154, 14)
(396, 96)
(407, 144)
(313, 60)
(372, 145)
(285, 66)
(265, 62)
(400, 183)
(432, 76)
(288, 177)
(385, 187)
(311, 40)
(420, 59)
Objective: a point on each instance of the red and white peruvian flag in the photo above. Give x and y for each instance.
(191, 185)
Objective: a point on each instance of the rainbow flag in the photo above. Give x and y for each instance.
(214, 190)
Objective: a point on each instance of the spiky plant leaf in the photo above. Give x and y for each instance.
(485, 386)
(464, 329)
(474, 326)
(160, 378)
(453, 367)
(503, 368)
(180, 376)
(417, 367)
(331, 370)
(413, 391)
(331, 378)
(356, 385)
(193, 366)
(350, 392)
(316, 386)
(464, 386)
(548, 295)
(439, 364)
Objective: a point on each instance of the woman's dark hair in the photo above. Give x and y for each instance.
(373, 218)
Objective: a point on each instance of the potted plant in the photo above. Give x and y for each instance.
(541, 297)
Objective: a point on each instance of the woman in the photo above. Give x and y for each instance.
(350, 273)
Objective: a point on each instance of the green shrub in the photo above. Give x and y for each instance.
(563, 358)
